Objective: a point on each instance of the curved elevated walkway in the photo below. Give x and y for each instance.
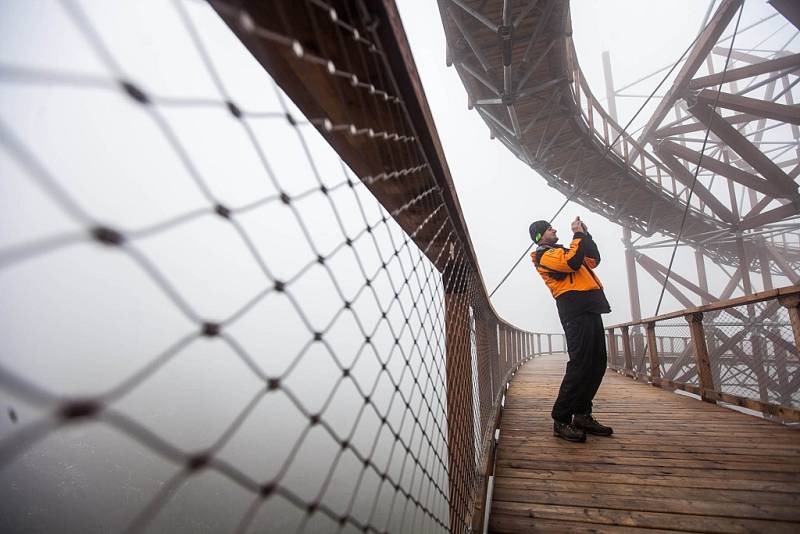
(521, 74)
(675, 464)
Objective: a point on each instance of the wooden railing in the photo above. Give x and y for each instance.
(742, 351)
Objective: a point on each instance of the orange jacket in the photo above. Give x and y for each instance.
(569, 269)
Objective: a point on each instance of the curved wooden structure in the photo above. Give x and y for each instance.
(518, 64)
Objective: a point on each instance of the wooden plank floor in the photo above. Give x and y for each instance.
(673, 464)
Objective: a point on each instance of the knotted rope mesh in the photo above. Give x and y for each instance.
(212, 324)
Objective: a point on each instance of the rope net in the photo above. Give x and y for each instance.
(225, 312)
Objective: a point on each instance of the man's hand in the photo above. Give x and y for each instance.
(578, 226)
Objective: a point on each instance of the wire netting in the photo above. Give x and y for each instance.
(212, 324)
(752, 353)
(676, 359)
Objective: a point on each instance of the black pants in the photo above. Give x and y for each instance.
(585, 369)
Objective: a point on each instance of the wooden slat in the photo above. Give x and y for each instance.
(673, 464)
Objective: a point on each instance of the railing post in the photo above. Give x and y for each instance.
(524, 346)
(494, 355)
(626, 348)
(792, 305)
(486, 396)
(539, 344)
(701, 353)
(503, 347)
(460, 441)
(652, 349)
(549, 343)
(612, 347)
(759, 346)
(516, 346)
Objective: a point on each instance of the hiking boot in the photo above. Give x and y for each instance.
(590, 425)
(568, 431)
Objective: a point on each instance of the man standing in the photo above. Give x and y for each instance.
(568, 273)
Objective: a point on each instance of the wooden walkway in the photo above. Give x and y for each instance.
(673, 464)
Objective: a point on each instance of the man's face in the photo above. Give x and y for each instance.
(549, 237)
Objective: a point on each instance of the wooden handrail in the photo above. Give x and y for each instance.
(721, 305)
(708, 389)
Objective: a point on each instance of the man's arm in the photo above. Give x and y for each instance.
(565, 261)
(592, 255)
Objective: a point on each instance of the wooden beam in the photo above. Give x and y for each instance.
(768, 217)
(613, 351)
(706, 41)
(661, 279)
(460, 438)
(784, 264)
(738, 55)
(722, 304)
(699, 127)
(682, 174)
(742, 146)
(791, 303)
(701, 353)
(705, 295)
(771, 65)
(790, 10)
(724, 169)
(652, 349)
(753, 106)
(626, 348)
(759, 207)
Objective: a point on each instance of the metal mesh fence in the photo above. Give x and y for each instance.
(678, 360)
(743, 352)
(212, 324)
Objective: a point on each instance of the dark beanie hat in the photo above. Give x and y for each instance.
(537, 229)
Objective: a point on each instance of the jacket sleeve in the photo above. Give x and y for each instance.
(592, 255)
(565, 261)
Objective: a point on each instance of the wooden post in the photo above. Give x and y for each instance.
(701, 354)
(626, 348)
(486, 397)
(526, 353)
(503, 348)
(549, 343)
(460, 441)
(781, 360)
(514, 346)
(496, 360)
(759, 346)
(652, 348)
(791, 303)
(612, 348)
(539, 344)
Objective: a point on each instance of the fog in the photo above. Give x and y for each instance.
(123, 325)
